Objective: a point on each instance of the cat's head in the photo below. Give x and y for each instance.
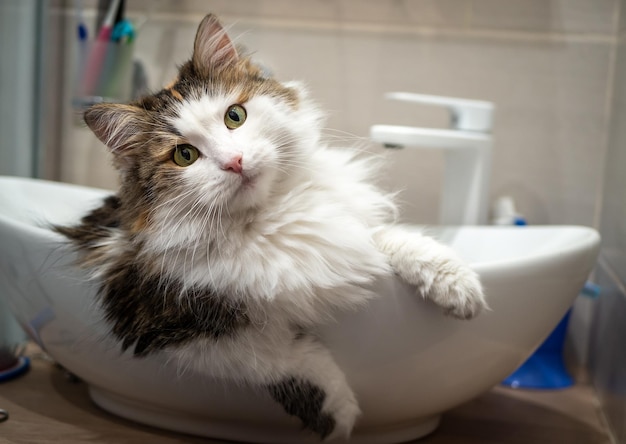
(222, 134)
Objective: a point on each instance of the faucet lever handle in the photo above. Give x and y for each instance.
(467, 115)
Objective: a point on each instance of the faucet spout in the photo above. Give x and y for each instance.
(408, 136)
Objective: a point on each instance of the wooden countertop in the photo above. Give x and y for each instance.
(46, 406)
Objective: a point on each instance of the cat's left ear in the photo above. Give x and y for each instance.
(116, 125)
(212, 47)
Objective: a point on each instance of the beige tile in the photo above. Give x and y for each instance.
(54, 50)
(613, 217)
(576, 16)
(424, 12)
(438, 12)
(622, 17)
(310, 9)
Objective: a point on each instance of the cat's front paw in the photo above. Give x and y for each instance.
(459, 293)
(434, 269)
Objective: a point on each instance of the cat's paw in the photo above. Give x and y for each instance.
(459, 293)
(434, 269)
(329, 412)
(343, 407)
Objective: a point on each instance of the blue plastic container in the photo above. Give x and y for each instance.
(545, 369)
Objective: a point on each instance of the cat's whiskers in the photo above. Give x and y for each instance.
(207, 223)
(342, 133)
(177, 202)
(203, 220)
(176, 198)
(180, 207)
(328, 133)
(189, 216)
(360, 144)
(219, 229)
(286, 165)
(212, 224)
(291, 161)
(214, 220)
(220, 220)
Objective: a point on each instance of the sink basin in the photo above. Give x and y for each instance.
(406, 362)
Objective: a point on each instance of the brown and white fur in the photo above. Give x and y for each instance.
(227, 263)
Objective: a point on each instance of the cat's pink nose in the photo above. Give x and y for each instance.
(235, 164)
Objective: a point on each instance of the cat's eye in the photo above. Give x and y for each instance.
(184, 155)
(235, 116)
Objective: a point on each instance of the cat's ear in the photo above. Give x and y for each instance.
(116, 125)
(212, 47)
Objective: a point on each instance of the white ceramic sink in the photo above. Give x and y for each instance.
(406, 362)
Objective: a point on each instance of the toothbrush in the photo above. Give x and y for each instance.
(83, 44)
(99, 52)
(83, 34)
(109, 20)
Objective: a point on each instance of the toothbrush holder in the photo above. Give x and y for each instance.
(104, 72)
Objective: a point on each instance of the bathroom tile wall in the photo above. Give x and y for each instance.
(546, 64)
(613, 225)
(546, 16)
(607, 351)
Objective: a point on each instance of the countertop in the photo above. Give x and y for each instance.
(48, 406)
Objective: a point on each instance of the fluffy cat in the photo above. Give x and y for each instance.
(235, 229)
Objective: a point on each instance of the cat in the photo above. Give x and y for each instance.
(236, 229)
